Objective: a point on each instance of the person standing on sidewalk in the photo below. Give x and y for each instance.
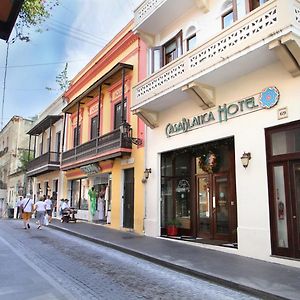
(27, 209)
(40, 208)
(18, 203)
(49, 207)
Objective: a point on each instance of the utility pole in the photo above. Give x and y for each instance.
(4, 86)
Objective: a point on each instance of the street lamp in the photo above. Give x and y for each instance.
(126, 131)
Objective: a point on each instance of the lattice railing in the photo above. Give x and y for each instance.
(257, 26)
(145, 9)
(241, 34)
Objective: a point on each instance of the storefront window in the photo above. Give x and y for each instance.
(175, 188)
(79, 193)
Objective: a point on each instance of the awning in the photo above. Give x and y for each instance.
(9, 11)
(44, 124)
(108, 78)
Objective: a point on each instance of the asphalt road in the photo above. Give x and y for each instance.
(48, 264)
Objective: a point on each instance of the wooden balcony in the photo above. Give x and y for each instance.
(267, 34)
(45, 163)
(107, 146)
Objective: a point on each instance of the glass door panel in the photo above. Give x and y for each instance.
(280, 206)
(183, 211)
(222, 205)
(204, 204)
(296, 214)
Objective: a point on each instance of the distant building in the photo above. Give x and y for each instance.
(46, 136)
(13, 144)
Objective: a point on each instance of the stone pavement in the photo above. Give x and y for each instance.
(263, 279)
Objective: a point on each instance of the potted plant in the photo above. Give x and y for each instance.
(172, 227)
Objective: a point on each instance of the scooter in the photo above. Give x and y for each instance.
(68, 215)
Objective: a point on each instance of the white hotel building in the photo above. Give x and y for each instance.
(223, 82)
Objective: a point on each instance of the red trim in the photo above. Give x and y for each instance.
(106, 165)
(91, 74)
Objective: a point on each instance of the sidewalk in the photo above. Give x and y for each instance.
(262, 279)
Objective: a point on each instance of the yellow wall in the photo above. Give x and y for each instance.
(119, 164)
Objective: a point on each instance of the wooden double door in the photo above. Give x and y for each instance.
(216, 207)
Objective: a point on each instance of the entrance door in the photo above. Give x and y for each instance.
(214, 201)
(285, 213)
(283, 157)
(128, 198)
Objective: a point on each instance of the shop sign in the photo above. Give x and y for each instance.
(90, 169)
(183, 186)
(264, 100)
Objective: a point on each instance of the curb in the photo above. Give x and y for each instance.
(211, 278)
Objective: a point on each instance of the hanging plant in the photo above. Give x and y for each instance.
(208, 162)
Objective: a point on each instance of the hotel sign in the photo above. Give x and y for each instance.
(264, 100)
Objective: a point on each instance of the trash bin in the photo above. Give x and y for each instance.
(10, 212)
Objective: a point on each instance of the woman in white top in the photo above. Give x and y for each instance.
(40, 208)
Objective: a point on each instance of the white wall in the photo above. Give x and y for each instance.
(249, 136)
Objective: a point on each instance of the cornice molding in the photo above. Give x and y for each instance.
(128, 39)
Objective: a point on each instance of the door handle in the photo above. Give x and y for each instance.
(294, 217)
(214, 202)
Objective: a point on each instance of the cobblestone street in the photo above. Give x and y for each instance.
(82, 270)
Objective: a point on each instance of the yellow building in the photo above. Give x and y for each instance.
(104, 142)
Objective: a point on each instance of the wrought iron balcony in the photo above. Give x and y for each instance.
(45, 163)
(111, 145)
(267, 34)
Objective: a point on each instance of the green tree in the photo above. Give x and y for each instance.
(62, 79)
(32, 15)
(25, 157)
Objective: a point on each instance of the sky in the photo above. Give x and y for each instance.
(76, 31)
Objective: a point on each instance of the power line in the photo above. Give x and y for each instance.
(72, 35)
(44, 64)
(77, 30)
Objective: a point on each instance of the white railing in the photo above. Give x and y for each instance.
(145, 9)
(259, 25)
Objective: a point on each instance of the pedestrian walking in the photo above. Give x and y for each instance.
(27, 209)
(40, 208)
(18, 203)
(49, 208)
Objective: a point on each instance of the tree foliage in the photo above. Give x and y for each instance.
(62, 79)
(32, 15)
(24, 159)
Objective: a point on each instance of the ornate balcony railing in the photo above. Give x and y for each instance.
(47, 162)
(145, 9)
(263, 25)
(113, 143)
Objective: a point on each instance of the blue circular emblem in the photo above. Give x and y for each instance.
(269, 97)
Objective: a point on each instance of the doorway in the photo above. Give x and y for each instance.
(198, 189)
(128, 199)
(283, 156)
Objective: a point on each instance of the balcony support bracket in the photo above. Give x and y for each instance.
(288, 51)
(146, 37)
(203, 95)
(148, 117)
(203, 5)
